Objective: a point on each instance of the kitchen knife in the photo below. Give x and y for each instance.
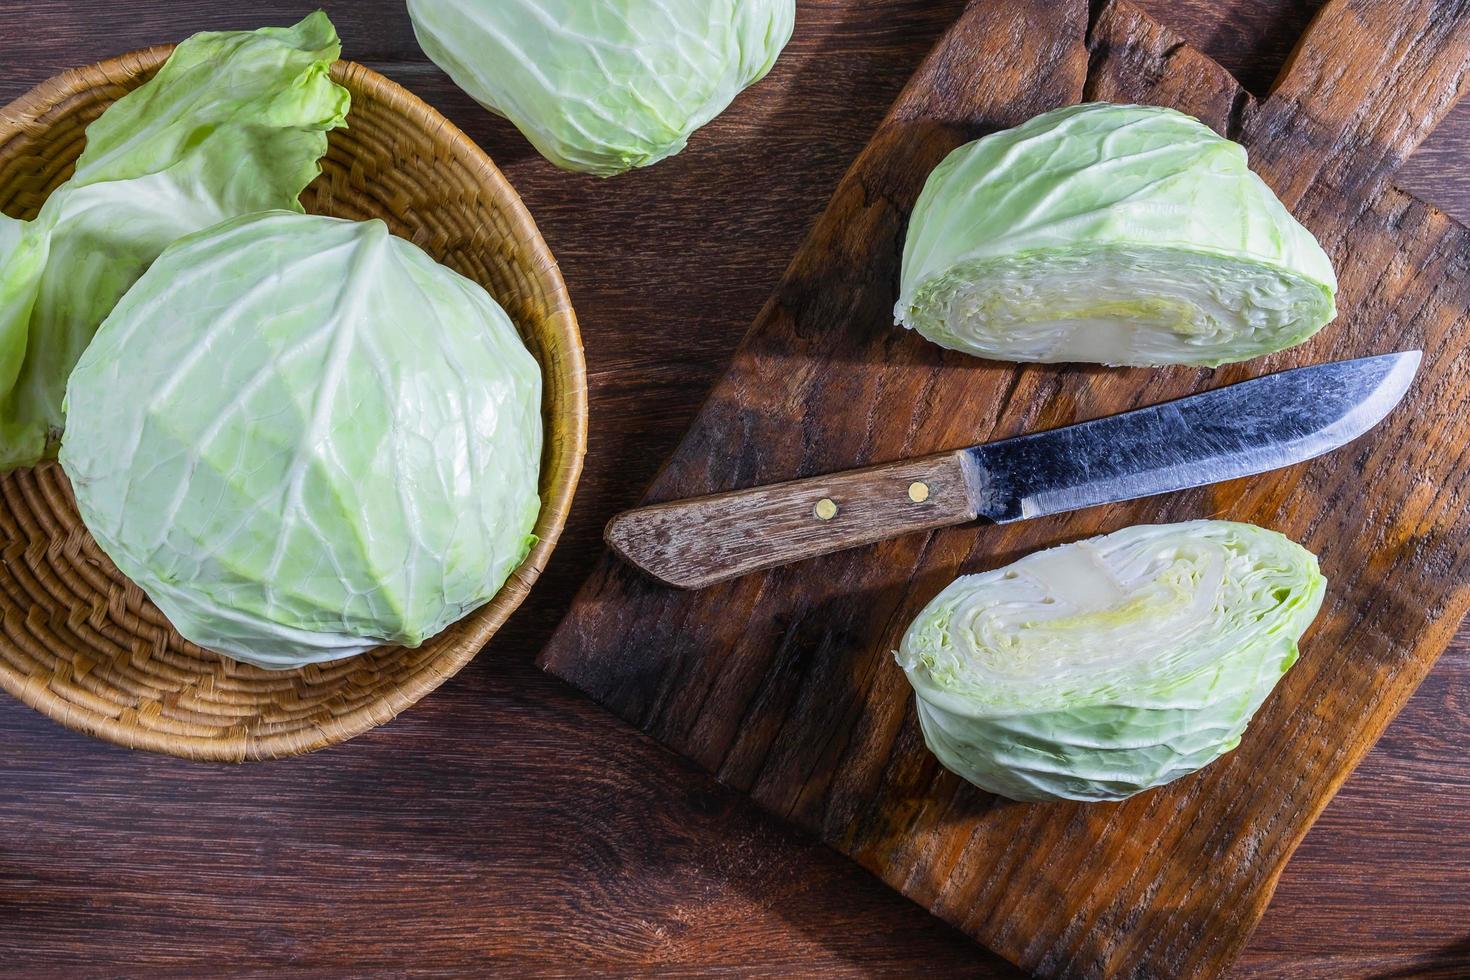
(1243, 429)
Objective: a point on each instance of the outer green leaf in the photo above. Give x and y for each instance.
(603, 86)
(233, 123)
(1114, 234)
(21, 262)
(302, 437)
(1100, 669)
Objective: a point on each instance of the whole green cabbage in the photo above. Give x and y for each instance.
(603, 86)
(302, 437)
(1117, 234)
(234, 122)
(1100, 669)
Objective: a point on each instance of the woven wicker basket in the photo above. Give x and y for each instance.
(81, 643)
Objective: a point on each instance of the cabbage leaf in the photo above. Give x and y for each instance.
(234, 122)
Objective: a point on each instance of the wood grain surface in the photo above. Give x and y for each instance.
(782, 682)
(506, 822)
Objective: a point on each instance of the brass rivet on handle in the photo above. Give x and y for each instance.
(918, 492)
(826, 509)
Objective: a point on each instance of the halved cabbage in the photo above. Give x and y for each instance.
(234, 122)
(1100, 669)
(302, 437)
(1116, 234)
(603, 86)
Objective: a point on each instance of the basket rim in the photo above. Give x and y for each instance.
(24, 115)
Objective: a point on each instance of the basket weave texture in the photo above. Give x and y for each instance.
(81, 643)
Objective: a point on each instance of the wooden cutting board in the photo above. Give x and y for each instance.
(783, 683)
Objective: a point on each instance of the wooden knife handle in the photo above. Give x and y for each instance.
(697, 542)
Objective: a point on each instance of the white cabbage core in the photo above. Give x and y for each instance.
(1117, 305)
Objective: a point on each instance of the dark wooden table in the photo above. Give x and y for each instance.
(507, 823)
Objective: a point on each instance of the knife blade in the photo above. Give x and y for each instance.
(1240, 430)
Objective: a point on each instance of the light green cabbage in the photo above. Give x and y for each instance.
(302, 437)
(1103, 668)
(603, 86)
(1115, 234)
(233, 123)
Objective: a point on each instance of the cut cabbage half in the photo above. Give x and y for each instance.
(302, 437)
(1114, 234)
(1100, 669)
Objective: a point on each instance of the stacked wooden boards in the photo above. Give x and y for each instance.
(782, 683)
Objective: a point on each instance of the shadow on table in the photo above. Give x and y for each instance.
(1450, 961)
